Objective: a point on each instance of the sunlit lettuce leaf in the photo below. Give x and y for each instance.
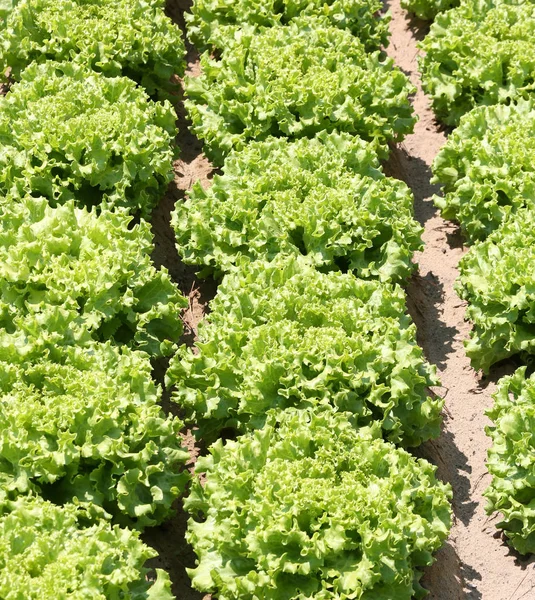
(84, 422)
(325, 197)
(511, 459)
(497, 280)
(95, 267)
(283, 335)
(69, 133)
(214, 22)
(308, 507)
(480, 53)
(295, 81)
(486, 167)
(49, 551)
(116, 37)
(428, 9)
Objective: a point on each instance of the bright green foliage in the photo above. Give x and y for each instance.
(6, 6)
(325, 197)
(49, 551)
(215, 22)
(85, 422)
(428, 9)
(69, 133)
(295, 81)
(117, 37)
(479, 53)
(283, 335)
(308, 508)
(486, 167)
(511, 459)
(96, 267)
(498, 283)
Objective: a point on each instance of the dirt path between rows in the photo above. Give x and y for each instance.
(475, 563)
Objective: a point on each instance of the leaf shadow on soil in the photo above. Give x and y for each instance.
(417, 174)
(419, 28)
(449, 578)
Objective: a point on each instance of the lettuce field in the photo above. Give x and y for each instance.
(267, 299)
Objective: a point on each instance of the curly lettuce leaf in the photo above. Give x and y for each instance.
(496, 279)
(480, 53)
(486, 167)
(294, 81)
(325, 197)
(216, 22)
(283, 334)
(115, 37)
(95, 267)
(49, 551)
(85, 423)
(308, 507)
(511, 459)
(69, 133)
(428, 9)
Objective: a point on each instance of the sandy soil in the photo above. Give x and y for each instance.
(475, 563)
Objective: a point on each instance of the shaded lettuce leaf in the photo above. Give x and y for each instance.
(428, 9)
(308, 507)
(85, 423)
(480, 53)
(69, 133)
(215, 22)
(283, 334)
(511, 459)
(497, 281)
(325, 197)
(115, 37)
(49, 551)
(96, 267)
(486, 167)
(295, 81)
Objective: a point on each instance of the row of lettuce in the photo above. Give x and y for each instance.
(307, 364)
(479, 69)
(87, 457)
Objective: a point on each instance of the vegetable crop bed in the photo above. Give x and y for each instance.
(475, 563)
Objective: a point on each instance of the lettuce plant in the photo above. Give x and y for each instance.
(486, 167)
(84, 422)
(116, 37)
(282, 334)
(428, 9)
(308, 507)
(496, 279)
(295, 81)
(215, 22)
(511, 459)
(95, 267)
(49, 551)
(480, 53)
(325, 197)
(69, 133)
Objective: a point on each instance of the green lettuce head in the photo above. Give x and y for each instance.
(49, 551)
(282, 335)
(95, 267)
(308, 507)
(511, 459)
(295, 81)
(69, 133)
(325, 197)
(84, 423)
(115, 37)
(216, 22)
(486, 167)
